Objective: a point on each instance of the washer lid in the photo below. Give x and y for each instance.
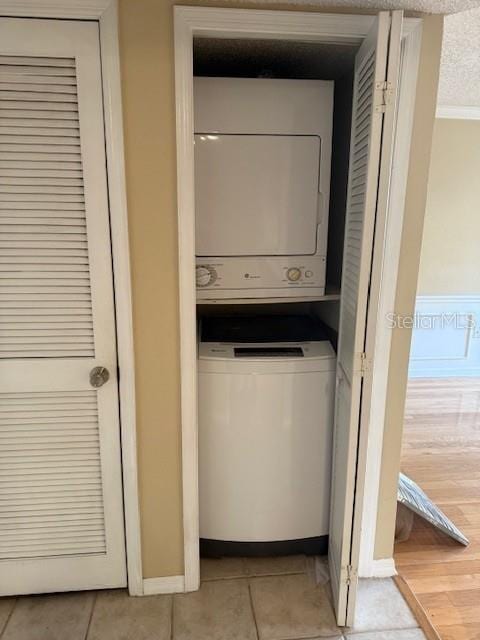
(265, 351)
(253, 358)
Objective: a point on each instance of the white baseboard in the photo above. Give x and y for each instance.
(384, 568)
(169, 584)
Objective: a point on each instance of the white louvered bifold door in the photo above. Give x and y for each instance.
(369, 174)
(61, 512)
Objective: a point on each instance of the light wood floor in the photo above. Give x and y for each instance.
(441, 452)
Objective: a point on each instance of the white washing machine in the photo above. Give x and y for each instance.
(265, 438)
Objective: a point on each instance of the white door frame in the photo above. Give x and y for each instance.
(105, 12)
(251, 23)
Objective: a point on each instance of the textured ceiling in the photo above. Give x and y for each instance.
(460, 67)
(426, 6)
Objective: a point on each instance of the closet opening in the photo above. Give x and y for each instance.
(272, 121)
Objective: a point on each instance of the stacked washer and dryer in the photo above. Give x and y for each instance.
(265, 380)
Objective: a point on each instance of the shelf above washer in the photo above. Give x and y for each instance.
(332, 295)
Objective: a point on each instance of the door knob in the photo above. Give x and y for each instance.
(99, 376)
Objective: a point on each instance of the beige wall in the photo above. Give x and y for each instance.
(146, 47)
(407, 282)
(452, 219)
(149, 123)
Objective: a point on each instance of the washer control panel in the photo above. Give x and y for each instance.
(248, 277)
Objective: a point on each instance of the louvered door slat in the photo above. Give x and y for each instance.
(26, 528)
(15, 112)
(40, 136)
(12, 167)
(50, 93)
(38, 205)
(40, 189)
(47, 106)
(61, 517)
(34, 132)
(53, 215)
(29, 341)
(55, 65)
(46, 159)
(61, 265)
(38, 83)
(40, 402)
(27, 283)
(53, 498)
(42, 150)
(28, 485)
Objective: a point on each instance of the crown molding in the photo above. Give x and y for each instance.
(458, 113)
(79, 9)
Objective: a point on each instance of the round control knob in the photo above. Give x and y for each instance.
(205, 276)
(294, 274)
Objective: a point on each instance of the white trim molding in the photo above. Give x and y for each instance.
(73, 9)
(105, 12)
(168, 584)
(382, 569)
(458, 113)
(283, 25)
(112, 98)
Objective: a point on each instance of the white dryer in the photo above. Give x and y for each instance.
(262, 183)
(265, 438)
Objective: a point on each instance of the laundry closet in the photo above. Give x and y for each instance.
(272, 126)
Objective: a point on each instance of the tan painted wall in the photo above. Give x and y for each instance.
(452, 221)
(146, 47)
(146, 42)
(407, 282)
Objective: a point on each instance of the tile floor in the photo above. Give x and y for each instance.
(240, 599)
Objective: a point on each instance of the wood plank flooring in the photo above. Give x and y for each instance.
(441, 452)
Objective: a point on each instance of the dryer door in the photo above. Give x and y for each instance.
(256, 195)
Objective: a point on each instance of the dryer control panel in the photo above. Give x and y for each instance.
(246, 277)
